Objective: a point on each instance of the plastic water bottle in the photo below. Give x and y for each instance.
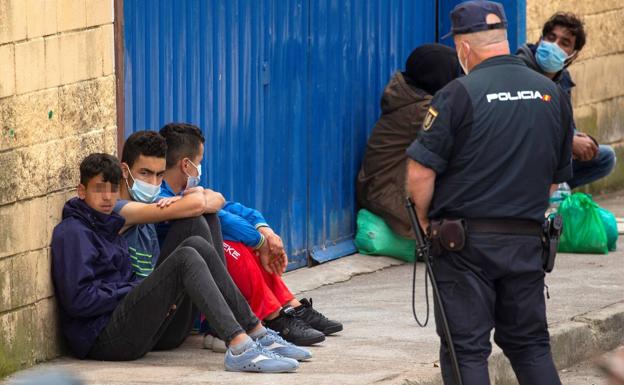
(563, 191)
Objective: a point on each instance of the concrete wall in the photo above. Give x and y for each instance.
(598, 72)
(57, 104)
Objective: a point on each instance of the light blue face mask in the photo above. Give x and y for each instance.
(193, 181)
(143, 191)
(550, 57)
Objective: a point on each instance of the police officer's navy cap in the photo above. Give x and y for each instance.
(470, 16)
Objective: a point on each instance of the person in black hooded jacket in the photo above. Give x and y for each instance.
(404, 104)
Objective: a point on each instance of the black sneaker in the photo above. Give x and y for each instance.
(315, 319)
(293, 329)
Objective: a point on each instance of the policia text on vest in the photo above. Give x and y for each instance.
(519, 95)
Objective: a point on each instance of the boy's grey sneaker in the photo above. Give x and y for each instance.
(215, 344)
(315, 319)
(259, 360)
(273, 342)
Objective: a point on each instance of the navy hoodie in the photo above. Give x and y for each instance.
(91, 272)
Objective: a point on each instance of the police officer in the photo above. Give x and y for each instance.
(492, 145)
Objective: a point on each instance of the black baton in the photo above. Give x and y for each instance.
(422, 251)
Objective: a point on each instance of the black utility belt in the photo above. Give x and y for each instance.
(504, 226)
(450, 234)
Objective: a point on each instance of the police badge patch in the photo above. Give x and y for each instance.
(429, 118)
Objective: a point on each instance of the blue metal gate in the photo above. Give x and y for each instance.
(286, 92)
(222, 65)
(355, 46)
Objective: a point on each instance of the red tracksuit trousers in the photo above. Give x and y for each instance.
(264, 291)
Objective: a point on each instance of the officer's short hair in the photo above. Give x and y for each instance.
(569, 21)
(484, 38)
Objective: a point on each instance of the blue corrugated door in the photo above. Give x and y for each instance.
(355, 46)
(231, 67)
(286, 92)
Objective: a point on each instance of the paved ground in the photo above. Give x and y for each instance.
(381, 343)
(586, 373)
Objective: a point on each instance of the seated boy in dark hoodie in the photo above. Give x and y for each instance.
(108, 313)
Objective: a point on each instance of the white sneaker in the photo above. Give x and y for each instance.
(214, 343)
(273, 342)
(258, 359)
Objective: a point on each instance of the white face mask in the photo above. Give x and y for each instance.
(193, 181)
(463, 66)
(143, 191)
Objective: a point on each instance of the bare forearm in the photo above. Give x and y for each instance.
(420, 186)
(213, 201)
(190, 205)
(422, 199)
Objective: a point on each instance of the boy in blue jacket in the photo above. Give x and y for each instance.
(108, 313)
(190, 216)
(255, 255)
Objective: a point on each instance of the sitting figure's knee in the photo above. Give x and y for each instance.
(608, 156)
(190, 221)
(187, 256)
(200, 244)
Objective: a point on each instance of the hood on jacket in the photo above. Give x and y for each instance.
(398, 94)
(108, 224)
(430, 67)
(527, 54)
(91, 272)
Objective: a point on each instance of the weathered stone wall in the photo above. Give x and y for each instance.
(57, 104)
(598, 72)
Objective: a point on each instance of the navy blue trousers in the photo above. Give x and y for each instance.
(495, 282)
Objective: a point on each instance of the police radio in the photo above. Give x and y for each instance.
(553, 227)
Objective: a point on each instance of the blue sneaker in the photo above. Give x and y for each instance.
(273, 342)
(257, 359)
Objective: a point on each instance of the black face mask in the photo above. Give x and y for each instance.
(432, 66)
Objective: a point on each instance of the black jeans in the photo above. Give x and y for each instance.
(192, 274)
(208, 227)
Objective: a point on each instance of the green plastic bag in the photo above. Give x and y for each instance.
(583, 231)
(374, 237)
(610, 225)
